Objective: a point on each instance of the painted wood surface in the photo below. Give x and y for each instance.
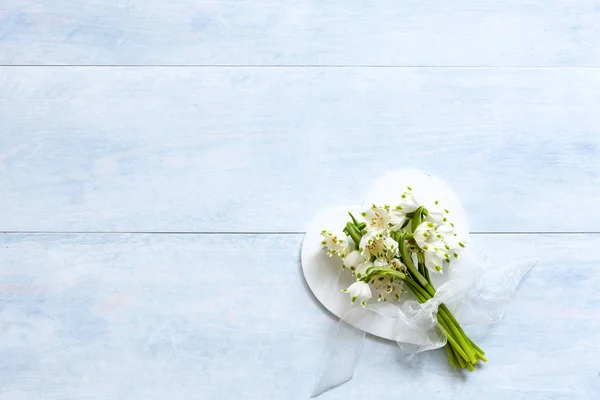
(110, 316)
(265, 149)
(298, 32)
(263, 114)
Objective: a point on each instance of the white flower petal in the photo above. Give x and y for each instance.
(353, 260)
(408, 202)
(421, 234)
(433, 262)
(380, 263)
(396, 264)
(437, 214)
(452, 242)
(336, 243)
(397, 218)
(377, 218)
(359, 291)
(387, 287)
(361, 270)
(372, 243)
(390, 247)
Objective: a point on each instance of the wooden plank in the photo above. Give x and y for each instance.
(266, 149)
(229, 316)
(298, 32)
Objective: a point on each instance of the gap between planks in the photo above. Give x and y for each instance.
(297, 66)
(250, 233)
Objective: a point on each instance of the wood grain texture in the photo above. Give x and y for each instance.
(265, 149)
(243, 149)
(298, 32)
(229, 316)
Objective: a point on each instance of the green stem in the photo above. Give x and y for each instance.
(430, 289)
(405, 223)
(421, 269)
(451, 356)
(477, 348)
(478, 352)
(382, 272)
(456, 345)
(408, 261)
(460, 331)
(460, 337)
(354, 233)
(459, 359)
(416, 288)
(480, 356)
(427, 274)
(359, 225)
(353, 219)
(417, 219)
(424, 271)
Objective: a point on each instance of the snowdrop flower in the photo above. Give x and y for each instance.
(427, 237)
(361, 270)
(357, 263)
(371, 244)
(336, 243)
(408, 202)
(397, 218)
(353, 260)
(379, 263)
(434, 261)
(437, 214)
(451, 239)
(386, 287)
(390, 247)
(359, 291)
(375, 244)
(377, 218)
(429, 240)
(396, 264)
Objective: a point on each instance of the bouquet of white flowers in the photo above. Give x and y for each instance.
(408, 273)
(389, 248)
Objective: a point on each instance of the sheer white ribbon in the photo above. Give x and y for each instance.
(476, 292)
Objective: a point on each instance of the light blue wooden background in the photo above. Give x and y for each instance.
(159, 162)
